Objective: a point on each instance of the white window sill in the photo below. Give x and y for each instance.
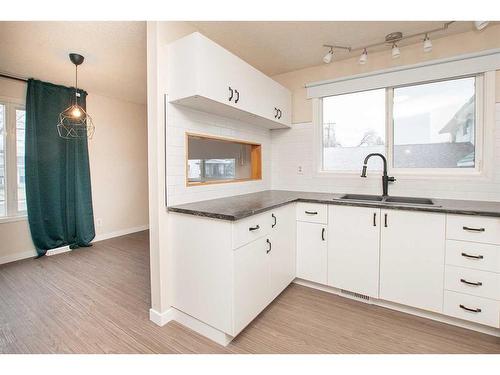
(408, 175)
(11, 219)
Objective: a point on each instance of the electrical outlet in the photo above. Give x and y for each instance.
(98, 222)
(300, 169)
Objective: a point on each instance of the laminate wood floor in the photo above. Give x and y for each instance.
(96, 300)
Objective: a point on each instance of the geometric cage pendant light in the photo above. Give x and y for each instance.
(74, 121)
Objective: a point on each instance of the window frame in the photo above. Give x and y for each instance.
(10, 142)
(256, 161)
(484, 91)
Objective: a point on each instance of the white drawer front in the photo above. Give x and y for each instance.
(312, 212)
(473, 228)
(478, 256)
(474, 282)
(251, 228)
(481, 310)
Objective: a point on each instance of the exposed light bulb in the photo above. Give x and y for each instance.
(395, 51)
(427, 44)
(328, 57)
(76, 113)
(480, 25)
(364, 57)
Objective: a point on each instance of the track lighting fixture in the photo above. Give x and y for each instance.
(480, 25)
(364, 57)
(328, 57)
(427, 44)
(395, 51)
(393, 39)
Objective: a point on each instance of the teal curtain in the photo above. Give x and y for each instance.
(58, 190)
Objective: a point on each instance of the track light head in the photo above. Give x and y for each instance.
(427, 44)
(364, 57)
(395, 51)
(480, 25)
(328, 57)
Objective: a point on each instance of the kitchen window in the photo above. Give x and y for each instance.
(426, 127)
(12, 171)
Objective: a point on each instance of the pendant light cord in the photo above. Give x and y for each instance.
(76, 84)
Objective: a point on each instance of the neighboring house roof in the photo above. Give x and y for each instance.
(459, 118)
(434, 155)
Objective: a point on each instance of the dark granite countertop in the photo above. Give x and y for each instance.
(241, 206)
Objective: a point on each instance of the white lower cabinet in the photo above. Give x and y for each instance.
(353, 249)
(283, 254)
(476, 309)
(412, 252)
(230, 271)
(251, 281)
(312, 252)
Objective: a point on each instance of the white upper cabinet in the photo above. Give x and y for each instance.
(412, 252)
(353, 249)
(204, 76)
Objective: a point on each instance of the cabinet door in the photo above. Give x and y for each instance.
(218, 70)
(412, 258)
(353, 249)
(283, 252)
(251, 282)
(311, 252)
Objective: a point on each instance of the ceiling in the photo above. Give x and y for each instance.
(115, 52)
(279, 47)
(115, 55)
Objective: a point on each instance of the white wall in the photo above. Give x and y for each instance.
(118, 165)
(294, 147)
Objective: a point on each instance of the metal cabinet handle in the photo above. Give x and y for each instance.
(254, 228)
(275, 112)
(473, 229)
(479, 283)
(385, 220)
(270, 246)
(275, 221)
(232, 92)
(311, 212)
(322, 234)
(374, 219)
(237, 96)
(472, 256)
(279, 115)
(477, 310)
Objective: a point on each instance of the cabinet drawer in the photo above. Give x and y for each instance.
(473, 228)
(474, 282)
(251, 228)
(478, 256)
(312, 212)
(480, 310)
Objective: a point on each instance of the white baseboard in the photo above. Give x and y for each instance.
(121, 232)
(161, 318)
(407, 309)
(18, 256)
(32, 253)
(188, 321)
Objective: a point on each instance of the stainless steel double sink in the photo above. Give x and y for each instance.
(388, 199)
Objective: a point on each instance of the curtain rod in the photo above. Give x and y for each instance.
(10, 76)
